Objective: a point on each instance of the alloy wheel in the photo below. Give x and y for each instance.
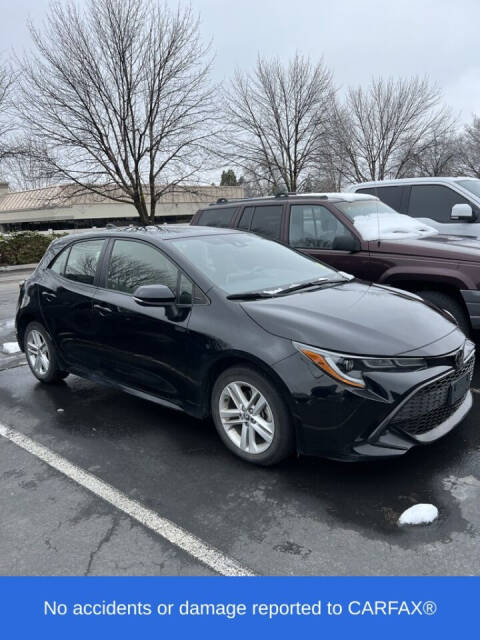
(246, 417)
(38, 353)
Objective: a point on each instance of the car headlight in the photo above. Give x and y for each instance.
(349, 369)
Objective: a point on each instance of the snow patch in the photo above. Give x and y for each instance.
(391, 226)
(419, 514)
(10, 348)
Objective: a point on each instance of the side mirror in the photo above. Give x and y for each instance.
(154, 295)
(463, 211)
(347, 242)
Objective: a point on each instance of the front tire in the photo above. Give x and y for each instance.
(251, 417)
(41, 356)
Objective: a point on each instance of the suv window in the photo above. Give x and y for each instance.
(433, 201)
(246, 219)
(314, 227)
(133, 264)
(83, 261)
(390, 195)
(220, 217)
(266, 221)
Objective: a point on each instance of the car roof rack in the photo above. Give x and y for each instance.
(282, 194)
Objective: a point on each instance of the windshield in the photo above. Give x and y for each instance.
(472, 185)
(375, 220)
(243, 262)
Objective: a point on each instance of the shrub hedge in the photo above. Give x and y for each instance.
(24, 247)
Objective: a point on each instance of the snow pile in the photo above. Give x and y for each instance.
(10, 348)
(419, 514)
(391, 226)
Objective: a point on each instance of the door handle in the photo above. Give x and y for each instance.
(102, 310)
(48, 295)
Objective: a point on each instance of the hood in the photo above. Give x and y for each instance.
(435, 246)
(360, 319)
(390, 226)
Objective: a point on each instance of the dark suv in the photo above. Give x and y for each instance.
(359, 234)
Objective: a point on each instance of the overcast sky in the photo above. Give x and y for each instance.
(357, 38)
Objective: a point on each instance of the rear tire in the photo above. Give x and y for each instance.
(450, 304)
(41, 355)
(251, 417)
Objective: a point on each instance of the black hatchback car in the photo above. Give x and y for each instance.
(284, 352)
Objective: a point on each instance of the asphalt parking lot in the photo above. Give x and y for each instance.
(303, 517)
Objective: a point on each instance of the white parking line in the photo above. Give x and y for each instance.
(475, 390)
(177, 536)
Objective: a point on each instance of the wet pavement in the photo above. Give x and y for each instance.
(303, 517)
(9, 282)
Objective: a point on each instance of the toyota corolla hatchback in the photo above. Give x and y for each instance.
(285, 353)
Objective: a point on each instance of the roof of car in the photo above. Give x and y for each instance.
(337, 196)
(399, 181)
(155, 232)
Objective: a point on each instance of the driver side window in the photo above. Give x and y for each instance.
(314, 227)
(133, 264)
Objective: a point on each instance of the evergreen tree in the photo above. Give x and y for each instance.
(229, 179)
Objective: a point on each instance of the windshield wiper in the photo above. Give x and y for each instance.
(250, 295)
(305, 285)
(257, 295)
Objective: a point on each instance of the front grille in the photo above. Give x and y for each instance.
(429, 407)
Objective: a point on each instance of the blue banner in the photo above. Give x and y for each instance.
(96, 607)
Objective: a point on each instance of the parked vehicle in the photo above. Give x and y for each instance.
(283, 351)
(359, 234)
(451, 205)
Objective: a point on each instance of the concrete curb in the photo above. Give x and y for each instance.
(19, 267)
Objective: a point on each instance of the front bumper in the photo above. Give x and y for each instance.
(391, 444)
(404, 410)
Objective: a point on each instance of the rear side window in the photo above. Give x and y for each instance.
(133, 264)
(83, 261)
(266, 221)
(221, 217)
(246, 219)
(392, 196)
(60, 261)
(433, 201)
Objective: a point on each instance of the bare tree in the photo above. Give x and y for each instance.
(378, 130)
(439, 155)
(277, 117)
(254, 184)
(117, 96)
(27, 168)
(470, 148)
(6, 127)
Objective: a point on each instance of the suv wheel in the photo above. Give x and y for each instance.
(448, 303)
(41, 355)
(251, 417)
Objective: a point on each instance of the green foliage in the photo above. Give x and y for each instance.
(24, 247)
(229, 179)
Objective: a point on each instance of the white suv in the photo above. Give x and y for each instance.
(451, 205)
